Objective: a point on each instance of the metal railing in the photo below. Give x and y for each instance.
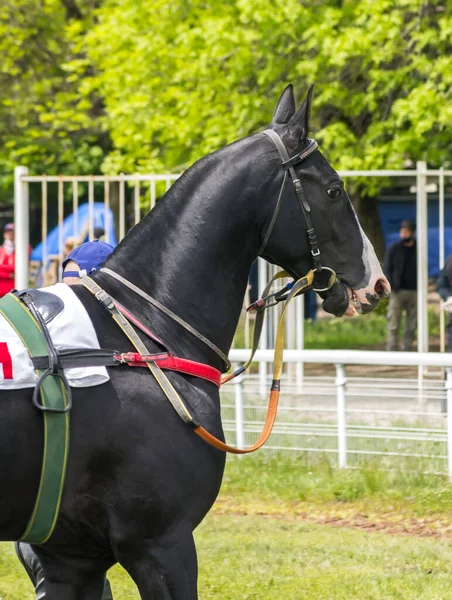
(144, 191)
(23, 179)
(413, 438)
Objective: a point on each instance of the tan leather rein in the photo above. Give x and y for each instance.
(172, 395)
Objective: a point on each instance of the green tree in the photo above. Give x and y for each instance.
(47, 122)
(182, 78)
(128, 85)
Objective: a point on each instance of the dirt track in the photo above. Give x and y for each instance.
(393, 523)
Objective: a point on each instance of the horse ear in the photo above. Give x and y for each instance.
(299, 123)
(285, 108)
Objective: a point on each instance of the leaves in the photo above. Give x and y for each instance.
(46, 120)
(201, 75)
(156, 85)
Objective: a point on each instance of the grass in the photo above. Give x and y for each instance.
(349, 333)
(290, 483)
(265, 538)
(345, 333)
(296, 561)
(269, 559)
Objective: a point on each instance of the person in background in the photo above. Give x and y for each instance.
(81, 261)
(400, 267)
(7, 260)
(70, 244)
(444, 289)
(51, 275)
(99, 233)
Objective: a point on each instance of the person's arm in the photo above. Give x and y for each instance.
(443, 287)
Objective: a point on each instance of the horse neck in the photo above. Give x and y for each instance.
(194, 251)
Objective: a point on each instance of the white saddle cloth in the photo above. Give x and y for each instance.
(71, 329)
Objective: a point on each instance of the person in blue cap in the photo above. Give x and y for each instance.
(85, 259)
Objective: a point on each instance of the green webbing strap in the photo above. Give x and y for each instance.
(56, 426)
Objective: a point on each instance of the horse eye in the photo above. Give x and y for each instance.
(334, 192)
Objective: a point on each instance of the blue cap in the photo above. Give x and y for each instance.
(90, 256)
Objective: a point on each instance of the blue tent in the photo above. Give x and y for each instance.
(82, 228)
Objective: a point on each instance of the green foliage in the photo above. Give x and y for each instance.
(199, 75)
(47, 122)
(343, 333)
(133, 85)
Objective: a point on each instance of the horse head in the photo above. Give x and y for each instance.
(318, 217)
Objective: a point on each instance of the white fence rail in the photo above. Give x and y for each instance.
(409, 423)
(243, 415)
(146, 189)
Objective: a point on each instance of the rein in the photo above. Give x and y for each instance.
(169, 313)
(312, 280)
(300, 286)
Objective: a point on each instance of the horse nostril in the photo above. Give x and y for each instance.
(380, 288)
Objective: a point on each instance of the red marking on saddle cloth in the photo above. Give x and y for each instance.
(172, 363)
(6, 361)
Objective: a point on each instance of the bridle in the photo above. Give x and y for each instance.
(125, 320)
(288, 164)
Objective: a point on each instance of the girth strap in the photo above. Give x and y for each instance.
(69, 359)
(54, 404)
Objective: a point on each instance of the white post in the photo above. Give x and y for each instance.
(239, 414)
(341, 417)
(422, 264)
(449, 420)
(441, 257)
(262, 282)
(122, 208)
(21, 226)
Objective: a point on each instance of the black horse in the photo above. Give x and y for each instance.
(139, 481)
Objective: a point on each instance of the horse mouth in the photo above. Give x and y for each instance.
(362, 302)
(354, 307)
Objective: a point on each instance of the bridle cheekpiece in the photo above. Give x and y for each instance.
(288, 164)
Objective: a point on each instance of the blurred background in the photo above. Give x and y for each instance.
(104, 103)
(148, 87)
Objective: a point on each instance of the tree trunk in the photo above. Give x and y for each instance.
(369, 217)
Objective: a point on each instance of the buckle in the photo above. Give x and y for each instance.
(319, 284)
(104, 299)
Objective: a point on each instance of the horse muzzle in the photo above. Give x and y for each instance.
(365, 300)
(343, 300)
